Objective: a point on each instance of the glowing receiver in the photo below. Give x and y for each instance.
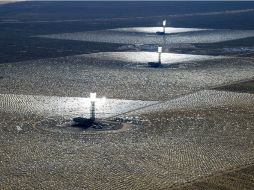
(164, 23)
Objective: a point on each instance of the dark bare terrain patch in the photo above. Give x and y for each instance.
(247, 87)
(242, 178)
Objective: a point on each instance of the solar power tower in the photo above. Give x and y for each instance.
(92, 109)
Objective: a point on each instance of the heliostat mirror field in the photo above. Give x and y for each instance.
(95, 97)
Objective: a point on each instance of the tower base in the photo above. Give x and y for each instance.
(160, 33)
(154, 64)
(83, 122)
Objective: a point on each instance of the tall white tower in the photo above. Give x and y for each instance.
(92, 109)
(164, 25)
(156, 63)
(159, 54)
